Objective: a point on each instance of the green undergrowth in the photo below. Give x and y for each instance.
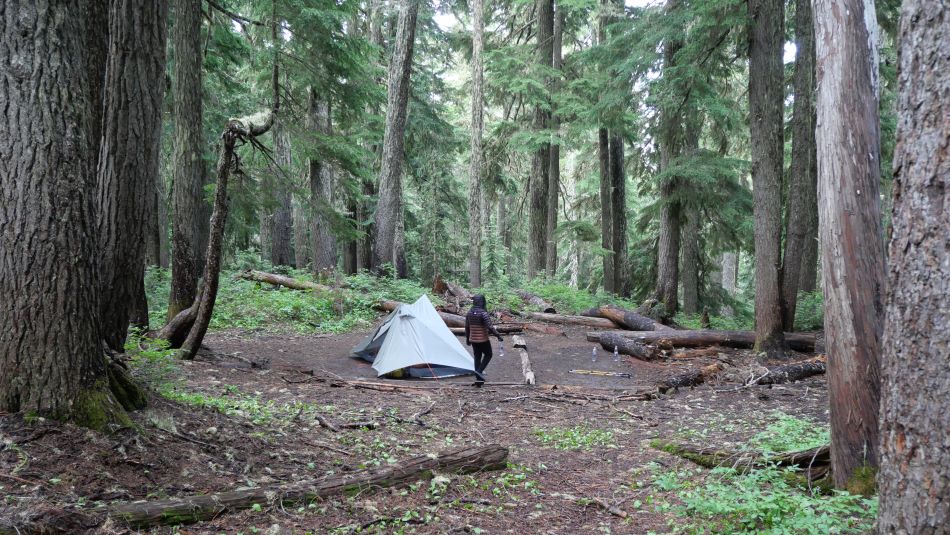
(767, 499)
(576, 438)
(250, 305)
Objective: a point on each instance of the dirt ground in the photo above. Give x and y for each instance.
(278, 383)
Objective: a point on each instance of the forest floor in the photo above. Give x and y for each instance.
(242, 414)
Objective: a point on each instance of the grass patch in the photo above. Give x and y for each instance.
(787, 433)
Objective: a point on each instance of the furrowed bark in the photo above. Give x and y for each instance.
(51, 354)
(389, 206)
(187, 155)
(128, 157)
(914, 482)
(766, 94)
(541, 161)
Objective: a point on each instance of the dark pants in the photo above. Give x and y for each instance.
(482, 352)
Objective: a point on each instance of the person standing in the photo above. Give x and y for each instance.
(478, 326)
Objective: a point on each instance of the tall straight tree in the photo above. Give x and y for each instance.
(618, 201)
(671, 134)
(603, 159)
(51, 357)
(389, 205)
(803, 189)
(320, 178)
(188, 166)
(914, 482)
(541, 161)
(281, 221)
(301, 247)
(766, 93)
(475, 169)
(128, 159)
(554, 173)
(849, 214)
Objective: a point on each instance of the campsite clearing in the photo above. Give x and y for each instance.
(248, 412)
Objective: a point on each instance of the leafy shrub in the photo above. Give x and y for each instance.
(763, 501)
(788, 433)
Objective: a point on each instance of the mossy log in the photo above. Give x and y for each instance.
(203, 507)
(627, 346)
(703, 338)
(814, 461)
(600, 323)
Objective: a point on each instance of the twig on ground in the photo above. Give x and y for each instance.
(326, 423)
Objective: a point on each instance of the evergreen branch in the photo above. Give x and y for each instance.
(234, 16)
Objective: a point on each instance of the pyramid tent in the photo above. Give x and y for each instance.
(414, 338)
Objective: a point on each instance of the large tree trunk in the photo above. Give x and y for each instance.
(554, 171)
(606, 219)
(128, 157)
(281, 230)
(808, 279)
(541, 162)
(618, 201)
(690, 260)
(667, 264)
(301, 238)
(51, 356)
(849, 211)
(389, 205)
(475, 169)
(766, 94)
(914, 483)
(802, 189)
(187, 158)
(320, 179)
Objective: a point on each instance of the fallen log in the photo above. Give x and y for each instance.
(698, 352)
(281, 280)
(631, 320)
(537, 301)
(503, 329)
(571, 320)
(794, 371)
(814, 461)
(702, 338)
(522, 348)
(627, 346)
(691, 378)
(458, 291)
(452, 320)
(202, 507)
(543, 329)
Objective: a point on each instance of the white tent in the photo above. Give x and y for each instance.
(415, 338)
